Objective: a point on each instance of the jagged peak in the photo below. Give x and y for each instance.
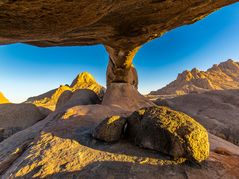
(228, 62)
(195, 70)
(222, 76)
(84, 77)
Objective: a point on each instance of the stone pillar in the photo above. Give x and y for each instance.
(122, 81)
(120, 68)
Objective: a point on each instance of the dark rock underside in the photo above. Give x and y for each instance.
(123, 24)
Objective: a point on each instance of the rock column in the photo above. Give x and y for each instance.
(122, 81)
(120, 68)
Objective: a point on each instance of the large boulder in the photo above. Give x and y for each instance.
(217, 111)
(170, 132)
(110, 129)
(16, 117)
(79, 97)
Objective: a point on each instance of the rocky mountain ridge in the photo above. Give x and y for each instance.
(219, 77)
(83, 81)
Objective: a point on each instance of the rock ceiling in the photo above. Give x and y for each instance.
(123, 24)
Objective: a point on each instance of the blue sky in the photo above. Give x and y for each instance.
(28, 71)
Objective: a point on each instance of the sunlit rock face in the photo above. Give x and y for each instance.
(120, 68)
(3, 99)
(221, 76)
(51, 98)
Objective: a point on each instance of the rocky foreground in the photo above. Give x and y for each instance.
(70, 143)
(62, 145)
(217, 110)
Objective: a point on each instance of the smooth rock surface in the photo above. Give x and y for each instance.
(169, 132)
(16, 117)
(78, 97)
(126, 96)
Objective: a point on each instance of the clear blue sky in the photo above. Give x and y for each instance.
(27, 71)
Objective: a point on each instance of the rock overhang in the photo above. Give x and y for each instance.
(124, 24)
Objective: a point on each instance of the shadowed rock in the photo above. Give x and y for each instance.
(124, 24)
(170, 132)
(126, 96)
(16, 117)
(79, 97)
(110, 129)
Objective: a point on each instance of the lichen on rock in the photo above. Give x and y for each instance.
(110, 129)
(170, 132)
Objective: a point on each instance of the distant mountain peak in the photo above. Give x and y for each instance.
(3, 99)
(83, 77)
(220, 76)
(83, 80)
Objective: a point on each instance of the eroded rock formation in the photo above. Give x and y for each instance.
(61, 146)
(120, 68)
(122, 26)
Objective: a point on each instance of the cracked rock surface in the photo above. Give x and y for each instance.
(123, 24)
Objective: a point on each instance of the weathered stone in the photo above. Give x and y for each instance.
(216, 110)
(120, 68)
(171, 132)
(63, 148)
(126, 96)
(123, 24)
(78, 97)
(16, 117)
(114, 75)
(110, 130)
